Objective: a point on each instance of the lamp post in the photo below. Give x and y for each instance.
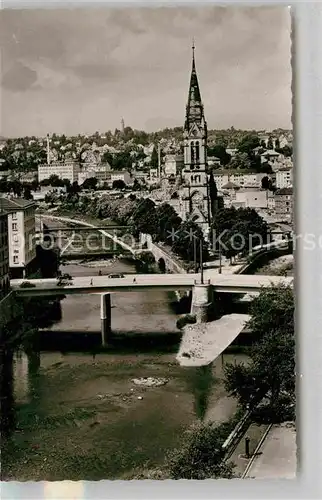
(195, 253)
(219, 270)
(201, 263)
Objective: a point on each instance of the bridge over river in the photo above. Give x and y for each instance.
(235, 283)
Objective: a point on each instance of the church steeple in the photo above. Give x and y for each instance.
(194, 109)
(194, 172)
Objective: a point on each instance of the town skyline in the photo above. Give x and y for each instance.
(43, 84)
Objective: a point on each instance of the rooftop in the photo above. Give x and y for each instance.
(283, 191)
(10, 204)
(230, 185)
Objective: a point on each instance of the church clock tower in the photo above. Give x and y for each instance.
(195, 189)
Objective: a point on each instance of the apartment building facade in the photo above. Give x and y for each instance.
(284, 178)
(63, 170)
(284, 204)
(4, 253)
(238, 177)
(21, 235)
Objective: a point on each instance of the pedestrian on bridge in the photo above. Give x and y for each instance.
(91, 281)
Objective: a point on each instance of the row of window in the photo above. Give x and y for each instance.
(195, 179)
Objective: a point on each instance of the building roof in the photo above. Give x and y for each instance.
(120, 172)
(284, 191)
(270, 152)
(236, 172)
(230, 185)
(284, 169)
(13, 204)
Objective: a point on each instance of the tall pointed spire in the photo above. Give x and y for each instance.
(194, 107)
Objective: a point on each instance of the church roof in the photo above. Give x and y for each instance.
(194, 110)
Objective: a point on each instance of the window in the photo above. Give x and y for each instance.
(15, 259)
(15, 238)
(14, 215)
(192, 153)
(14, 226)
(197, 152)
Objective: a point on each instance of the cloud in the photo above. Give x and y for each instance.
(19, 78)
(136, 63)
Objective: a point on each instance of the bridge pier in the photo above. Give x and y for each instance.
(105, 317)
(202, 297)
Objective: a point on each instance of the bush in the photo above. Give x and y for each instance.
(186, 320)
(201, 455)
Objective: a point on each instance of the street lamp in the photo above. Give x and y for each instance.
(201, 263)
(219, 270)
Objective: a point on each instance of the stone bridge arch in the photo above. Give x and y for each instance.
(162, 265)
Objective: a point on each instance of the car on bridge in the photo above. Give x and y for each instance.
(64, 280)
(67, 277)
(27, 284)
(120, 275)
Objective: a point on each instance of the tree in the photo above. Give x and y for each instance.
(271, 370)
(4, 185)
(119, 184)
(186, 241)
(270, 144)
(248, 143)
(27, 193)
(144, 218)
(220, 152)
(201, 454)
(154, 158)
(66, 183)
(136, 185)
(266, 183)
(237, 231)
(241, 161)
(277, 143)
(107, 157)
(74, 188)
(55, 181)
(213, 194)
(168, 221)
(90, 183)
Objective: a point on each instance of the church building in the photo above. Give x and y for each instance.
(195, 191)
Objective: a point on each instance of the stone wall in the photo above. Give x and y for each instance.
(159, 253)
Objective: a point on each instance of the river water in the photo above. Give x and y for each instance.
(80, 415)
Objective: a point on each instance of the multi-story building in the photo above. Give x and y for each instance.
(21, 235)
(63, 170)
(284, 203)
(195, 189)
(101, 172)
(284, 178)
(173, 165)
(121, 175)
(252, 198)
(238, 177)
(4, 253)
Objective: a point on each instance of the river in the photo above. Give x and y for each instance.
(80, 415)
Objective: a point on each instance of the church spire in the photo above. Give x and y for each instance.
(194, 112)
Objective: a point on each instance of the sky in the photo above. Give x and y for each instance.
(77, 71)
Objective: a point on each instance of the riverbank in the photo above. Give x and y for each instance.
(82, 417)
(90, 420)
(283, 265)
